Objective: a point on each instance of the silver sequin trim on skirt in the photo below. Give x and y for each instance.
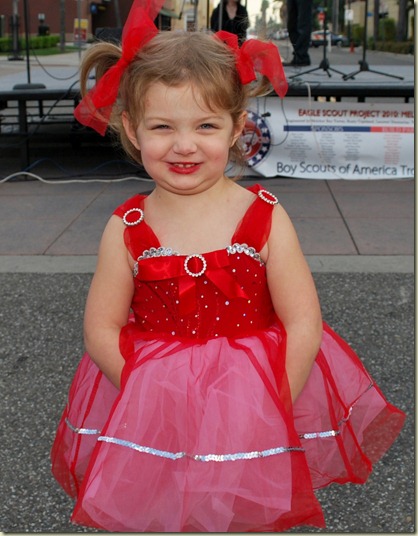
(82, 431)
(200, 457)
(333, 433)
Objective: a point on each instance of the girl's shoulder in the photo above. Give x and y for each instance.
(255, 226)
(136, 202)
(263, 194)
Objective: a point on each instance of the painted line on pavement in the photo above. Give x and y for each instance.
(81, 264)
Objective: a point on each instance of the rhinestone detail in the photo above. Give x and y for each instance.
(244, 248)
(186, 265)
(153, 252)
(268, 197)
(135, 222)
(157, 252)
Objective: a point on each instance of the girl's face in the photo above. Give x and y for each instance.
(184, 145)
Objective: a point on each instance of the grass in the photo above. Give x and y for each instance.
(45, 51)
(54, 50)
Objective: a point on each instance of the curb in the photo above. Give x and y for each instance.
(84, 264)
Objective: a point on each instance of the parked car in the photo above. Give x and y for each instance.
(280, 34)
(317, 39)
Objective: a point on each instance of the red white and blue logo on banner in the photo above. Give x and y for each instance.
(256, 139)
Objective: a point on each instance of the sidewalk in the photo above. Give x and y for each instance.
(343, 226)
(61, 70)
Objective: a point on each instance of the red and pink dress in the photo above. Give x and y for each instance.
(202, 436)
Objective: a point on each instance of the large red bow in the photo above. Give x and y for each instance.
(257, 56)
(212, 265)
(95, 108)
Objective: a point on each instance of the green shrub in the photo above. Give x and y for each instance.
(357, 33)
(387, 30)
(37, 42)
(397, 47)
(6, 44)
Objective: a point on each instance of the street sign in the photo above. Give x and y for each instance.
(349, 15)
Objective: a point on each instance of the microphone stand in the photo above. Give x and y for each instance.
(29, 84)
(324, 65)
(364, 66)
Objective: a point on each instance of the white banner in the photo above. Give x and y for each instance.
(300, 138)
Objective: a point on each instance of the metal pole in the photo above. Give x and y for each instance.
(79, 29)
(25, 9)
(335, 16)
(207, 14)
(117, 15)
(195, 14)
(15, 32)
(28, 85)
(62, 25)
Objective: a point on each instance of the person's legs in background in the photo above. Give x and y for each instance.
(299, 26)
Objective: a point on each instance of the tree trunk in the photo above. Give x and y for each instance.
(402, 30)
(62, 25)
(376, 9)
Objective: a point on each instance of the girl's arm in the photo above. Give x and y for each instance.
(108, 302)
(294, 298)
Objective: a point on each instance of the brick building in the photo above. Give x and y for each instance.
(63, 15)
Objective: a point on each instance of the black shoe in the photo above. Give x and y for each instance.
(297, 63)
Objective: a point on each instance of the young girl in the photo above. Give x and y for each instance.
(212, 398)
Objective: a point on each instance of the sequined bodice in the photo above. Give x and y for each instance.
(201, 296)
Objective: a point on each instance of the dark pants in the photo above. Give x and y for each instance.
(299, 26)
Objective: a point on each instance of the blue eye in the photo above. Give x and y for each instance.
(207, 126)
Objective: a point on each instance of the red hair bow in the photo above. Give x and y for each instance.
(95, 108)
(257, 56)
(254, 56)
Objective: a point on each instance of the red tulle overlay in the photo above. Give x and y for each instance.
(220, 398)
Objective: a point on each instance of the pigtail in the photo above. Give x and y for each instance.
(261, 88)
(99, 58)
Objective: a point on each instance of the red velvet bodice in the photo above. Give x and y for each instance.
(219, 293)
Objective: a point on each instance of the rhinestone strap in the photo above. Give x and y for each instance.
(153, 252)
(168, 252)
(244, 248)
(157, 252)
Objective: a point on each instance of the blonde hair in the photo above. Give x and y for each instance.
(174, 58)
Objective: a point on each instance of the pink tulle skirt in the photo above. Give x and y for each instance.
(202, 436)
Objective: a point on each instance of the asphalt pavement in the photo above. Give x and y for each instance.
(359, 241)
(41, 327)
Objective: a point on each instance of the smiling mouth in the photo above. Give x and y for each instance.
(185, 165)
(184, 168)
